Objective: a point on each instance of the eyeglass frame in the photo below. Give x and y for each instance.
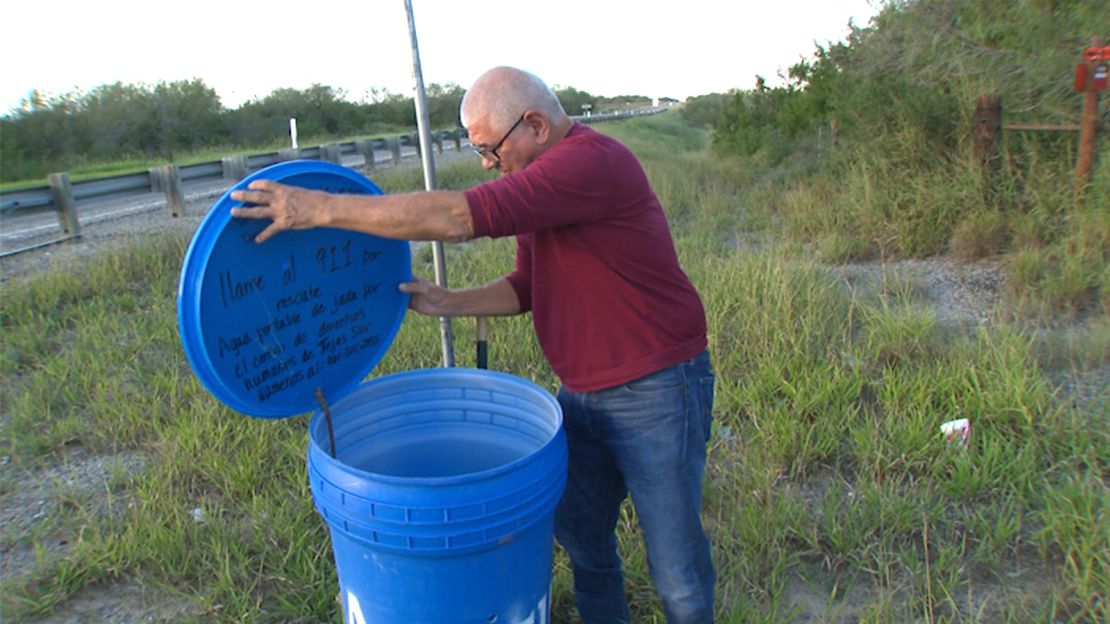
(484, 152)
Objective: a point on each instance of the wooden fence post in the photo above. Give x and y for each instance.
(456, 135)
(366, 148)
(414, 140)
(395, 149)
(988, 129)
(1088, 123)
(64, 204)
(169, 181)
(438, 138)
(289, 153)
(235, 167)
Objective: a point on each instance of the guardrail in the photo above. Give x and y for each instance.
(62, 196)
(231, 167)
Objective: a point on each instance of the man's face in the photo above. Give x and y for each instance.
(503, 149)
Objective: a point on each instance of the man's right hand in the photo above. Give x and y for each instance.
(289, 207)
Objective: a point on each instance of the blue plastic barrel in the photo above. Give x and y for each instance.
(441, 496)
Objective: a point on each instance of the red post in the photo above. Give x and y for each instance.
(1088, 121)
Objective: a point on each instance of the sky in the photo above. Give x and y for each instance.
(245, 49)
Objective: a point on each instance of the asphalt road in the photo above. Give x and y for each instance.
(30, 229)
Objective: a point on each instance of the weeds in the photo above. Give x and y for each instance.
(829, 492)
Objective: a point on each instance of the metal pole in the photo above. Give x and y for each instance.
(429, 181)
(482, 357)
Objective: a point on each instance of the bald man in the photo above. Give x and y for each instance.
(617, 318)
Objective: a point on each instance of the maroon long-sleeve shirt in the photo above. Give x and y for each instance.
(595, 262)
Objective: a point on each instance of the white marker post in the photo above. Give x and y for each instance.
(429, 181)
(293, 131)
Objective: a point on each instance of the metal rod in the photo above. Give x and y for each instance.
(429, 181)
(327, 418)
(482, 359)
(1038, 127)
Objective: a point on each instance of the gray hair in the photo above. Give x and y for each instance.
(505, 93)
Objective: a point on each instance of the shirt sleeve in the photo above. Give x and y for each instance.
(568, 184)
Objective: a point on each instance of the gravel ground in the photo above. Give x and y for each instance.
(959, 295)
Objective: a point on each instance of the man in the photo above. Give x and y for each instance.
(618, 320)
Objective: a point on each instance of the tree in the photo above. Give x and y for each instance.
(575, 101)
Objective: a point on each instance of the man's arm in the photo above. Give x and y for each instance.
(497, 298)
(431, 215)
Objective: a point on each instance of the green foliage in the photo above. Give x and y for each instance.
(119, 121)
(749, 123)
(980, 235)
(108, 122)
(704, 110)
(576, 102)
(872, 141)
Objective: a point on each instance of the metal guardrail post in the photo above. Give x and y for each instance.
(414, 140)
(366, 148)
(62, 193)
(155, 180)
(169, 180)
(438, 138)
(235, 167)
(331, 153)
(395, 149)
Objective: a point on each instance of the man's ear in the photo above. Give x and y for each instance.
(538, 125)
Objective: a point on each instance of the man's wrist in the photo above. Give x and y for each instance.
(323, 208)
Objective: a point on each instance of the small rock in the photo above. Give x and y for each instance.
(198, 515)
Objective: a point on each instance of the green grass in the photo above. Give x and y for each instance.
(829, 492)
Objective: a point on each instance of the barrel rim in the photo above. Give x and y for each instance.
(317, 449)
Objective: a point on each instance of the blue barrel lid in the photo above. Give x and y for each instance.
(266, 325)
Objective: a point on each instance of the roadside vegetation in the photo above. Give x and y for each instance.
(888, 115)
(830, 493)
(124, 128)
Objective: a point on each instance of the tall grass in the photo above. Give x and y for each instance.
(830, 493)
(902, 180)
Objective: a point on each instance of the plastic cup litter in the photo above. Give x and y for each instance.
(956, 432)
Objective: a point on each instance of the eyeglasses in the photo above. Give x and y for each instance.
(491, 152)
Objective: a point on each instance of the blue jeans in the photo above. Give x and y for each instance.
(646, 438)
